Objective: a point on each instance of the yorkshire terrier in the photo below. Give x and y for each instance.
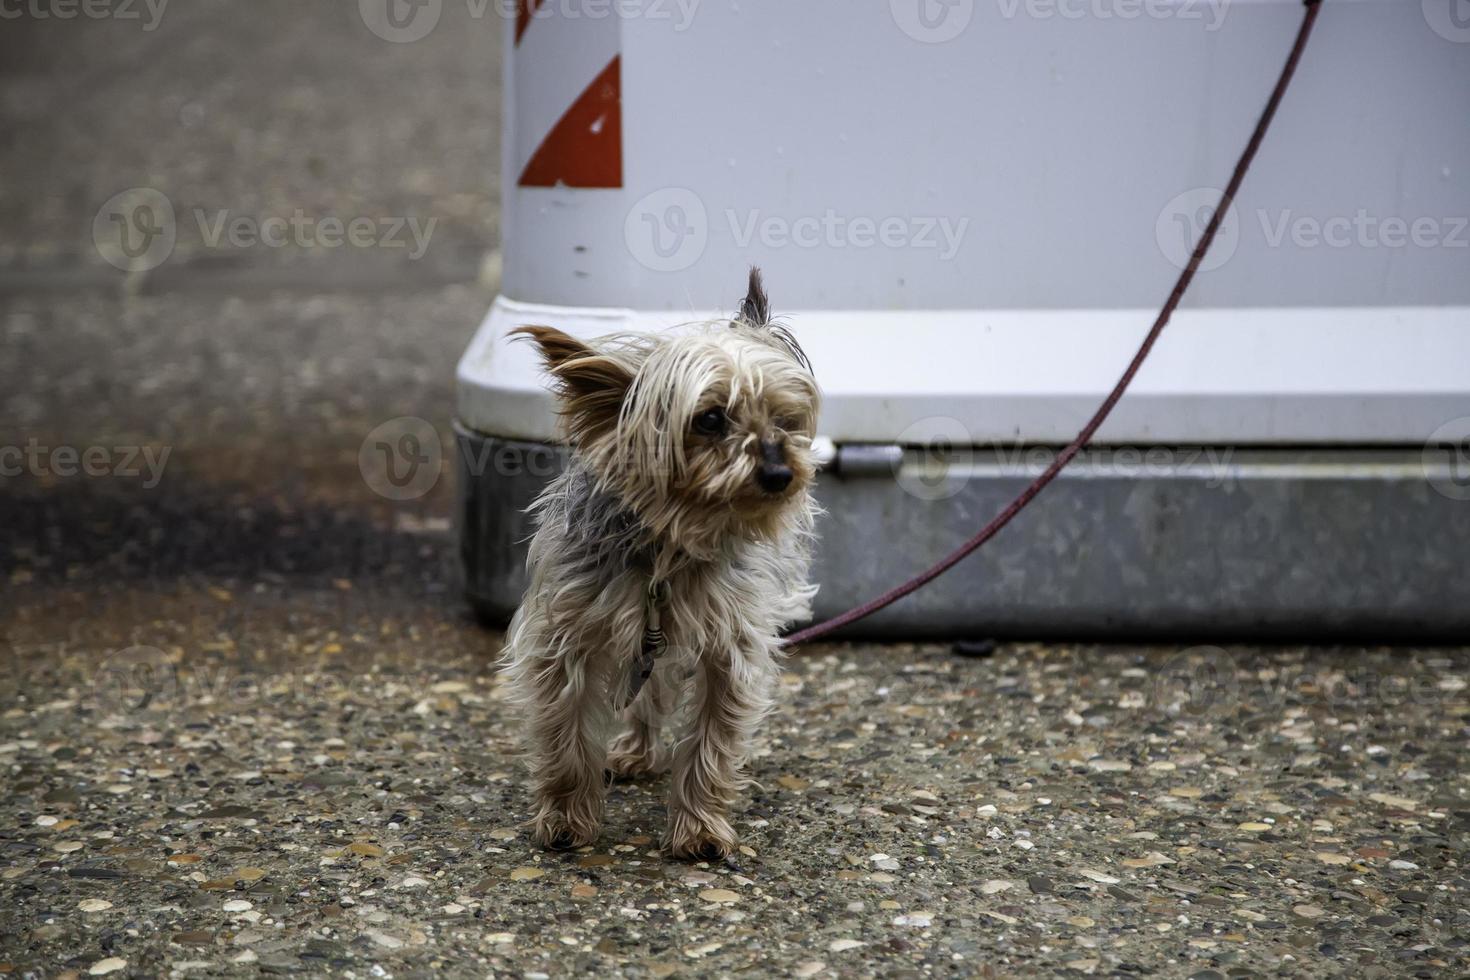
(666, 560)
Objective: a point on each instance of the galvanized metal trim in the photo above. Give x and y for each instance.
(1136, 542)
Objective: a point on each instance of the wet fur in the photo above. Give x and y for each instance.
(647, 495)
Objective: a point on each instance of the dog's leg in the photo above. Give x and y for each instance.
(569, 719)
(731, 693)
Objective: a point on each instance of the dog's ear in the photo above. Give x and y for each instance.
(755, 311)
(755, 308)
(589, 384)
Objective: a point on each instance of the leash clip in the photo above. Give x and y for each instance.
(653, 643)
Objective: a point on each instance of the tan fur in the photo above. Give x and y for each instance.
(647, 495)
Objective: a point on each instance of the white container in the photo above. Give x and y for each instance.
(970, 212)
(979, 218)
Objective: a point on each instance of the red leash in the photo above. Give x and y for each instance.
(1090, 429)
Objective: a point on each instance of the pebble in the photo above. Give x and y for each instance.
(702, 950)
(1153, 859)
(1110, 765)
(237, 905)
(1098, 876)
(94, 905)
(719, 896)
(917, 920)
(1397, 802)
(843, 945)
(110, 965)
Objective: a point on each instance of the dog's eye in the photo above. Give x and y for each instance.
(710, 422)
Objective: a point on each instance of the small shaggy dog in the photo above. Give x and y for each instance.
(666, 560)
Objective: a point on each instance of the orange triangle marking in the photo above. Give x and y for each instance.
(585, 147)
(524, 10)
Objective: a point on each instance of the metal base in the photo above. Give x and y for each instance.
(1166, 542)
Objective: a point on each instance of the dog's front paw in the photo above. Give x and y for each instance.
(560, 829)
(706, 837)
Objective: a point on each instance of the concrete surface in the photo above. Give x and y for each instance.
(247, 726)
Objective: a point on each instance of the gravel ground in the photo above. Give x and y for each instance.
(323, 783)
(248, 726)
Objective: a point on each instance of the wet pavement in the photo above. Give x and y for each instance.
(247, 724)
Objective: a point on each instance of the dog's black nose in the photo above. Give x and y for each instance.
(774, 477)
